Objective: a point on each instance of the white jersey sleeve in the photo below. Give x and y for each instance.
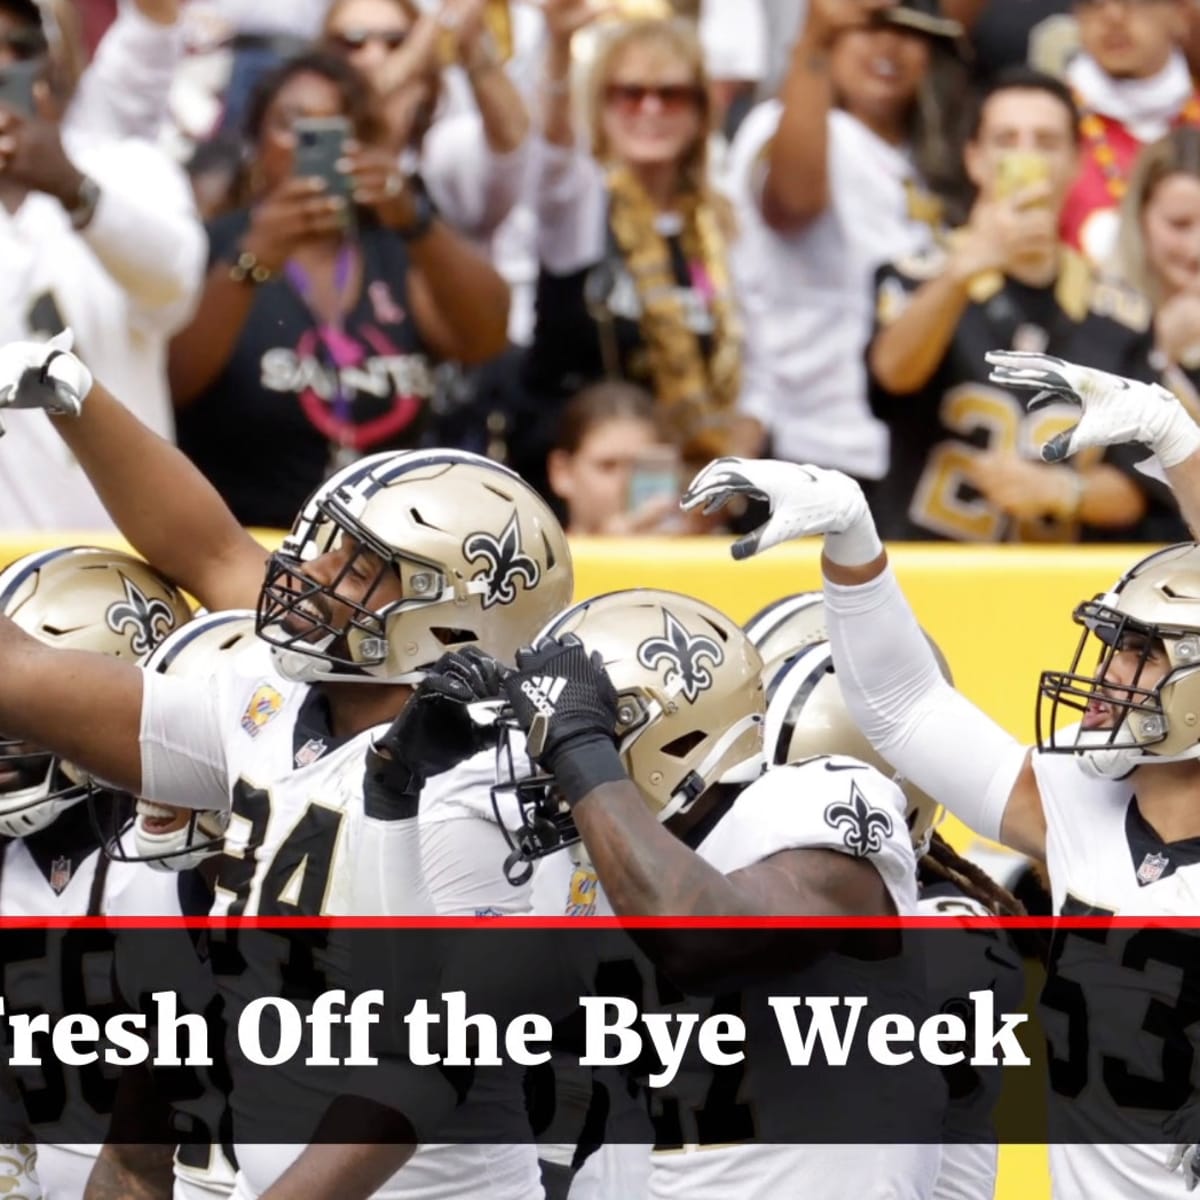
(183, 742)
(823, 804)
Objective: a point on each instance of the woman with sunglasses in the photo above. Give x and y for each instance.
(634, 280)
(473, 160)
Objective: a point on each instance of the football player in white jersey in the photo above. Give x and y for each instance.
(653, 761)
(178, 840)
(807, 716)
(1107, 799)
(400, 560)
(51, 864)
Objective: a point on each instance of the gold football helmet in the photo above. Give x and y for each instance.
(79, 598)
(690, 711)
(167, 838)
(788, 625)
(807, 718)
(1116, 726)
(479, 555)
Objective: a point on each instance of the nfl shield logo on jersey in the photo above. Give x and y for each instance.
(311, 751)
(60, 875)
(1153, 865)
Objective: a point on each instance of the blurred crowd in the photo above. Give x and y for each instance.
(605, 241)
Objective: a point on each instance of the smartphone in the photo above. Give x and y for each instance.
(1019, 170)
(655, 476)
(320, 146)
(16, 86)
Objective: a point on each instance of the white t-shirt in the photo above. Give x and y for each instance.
(124, 285)
(807, 297)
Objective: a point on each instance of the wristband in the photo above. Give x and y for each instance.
(584, 764)
(1178, 439)
(391, 790)
(859, 542)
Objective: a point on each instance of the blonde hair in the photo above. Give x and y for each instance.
(1176, 154)
(678, 37)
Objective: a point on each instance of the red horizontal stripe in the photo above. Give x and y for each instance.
(679, 923)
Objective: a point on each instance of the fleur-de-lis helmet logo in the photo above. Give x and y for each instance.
(862, 826)
(506, 563)
(685, 655)
(143, 620)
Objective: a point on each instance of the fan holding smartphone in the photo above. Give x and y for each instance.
(330, 300)
(611, 468)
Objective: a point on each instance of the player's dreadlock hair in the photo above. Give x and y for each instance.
(943, 864)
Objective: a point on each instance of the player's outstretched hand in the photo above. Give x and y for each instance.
(437, 729)
(44, 375)
(1113, 411)
(561, 695)
(804, 501)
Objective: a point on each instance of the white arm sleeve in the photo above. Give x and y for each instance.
(929, 733)
(145, 231)
(124, 91)
(183, 752)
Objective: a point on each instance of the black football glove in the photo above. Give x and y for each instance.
(435, 730)
(565, 702)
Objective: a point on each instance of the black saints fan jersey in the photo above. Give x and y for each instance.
(936, 432)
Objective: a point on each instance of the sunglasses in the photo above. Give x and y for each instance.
(673, 97)
(24, 44)
(355, 39)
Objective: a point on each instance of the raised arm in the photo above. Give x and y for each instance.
(160, 502)
(171, 515)
(129, 203)
(505, 116)
(928, 731)
(795, 190)
(124, 91)
(644, 868)
(1113, 412)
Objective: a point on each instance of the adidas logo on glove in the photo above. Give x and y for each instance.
(543, 691)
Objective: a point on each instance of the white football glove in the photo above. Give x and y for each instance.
(44, 375)
(804, 501)
(1114, 411)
